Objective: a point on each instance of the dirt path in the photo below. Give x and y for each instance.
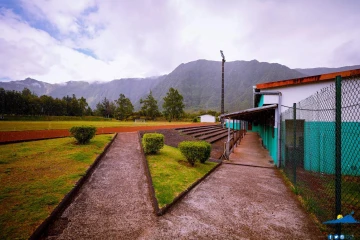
(235, 202)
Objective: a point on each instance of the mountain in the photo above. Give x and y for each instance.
(324, 70)
(133, 88)
(199, 82)
(37, 87)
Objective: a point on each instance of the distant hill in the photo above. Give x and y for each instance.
(93, 92)
(324, 70)
(199, 82)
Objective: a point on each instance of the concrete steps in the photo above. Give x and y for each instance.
(210, 134)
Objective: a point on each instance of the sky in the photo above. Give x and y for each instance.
(100, 40)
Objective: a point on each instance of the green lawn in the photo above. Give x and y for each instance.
(35, 176)
(172, 174)
(43, 125)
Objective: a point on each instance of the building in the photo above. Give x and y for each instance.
(314, 96)
(207, 118)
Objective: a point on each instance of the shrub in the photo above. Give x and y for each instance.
(83, 134)
(195, 150)
(152, 142)
(195, 120)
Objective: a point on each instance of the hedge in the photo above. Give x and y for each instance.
(152, 142)
(195, 150)
(83, 134)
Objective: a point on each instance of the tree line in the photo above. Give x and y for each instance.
(27, 103)
(122, 108)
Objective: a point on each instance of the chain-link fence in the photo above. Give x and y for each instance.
(320, 152)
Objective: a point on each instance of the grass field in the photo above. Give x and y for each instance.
(46, 125)
(172, 174)
(35, 176)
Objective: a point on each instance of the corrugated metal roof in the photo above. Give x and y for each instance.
(311, 79)
(249, 114)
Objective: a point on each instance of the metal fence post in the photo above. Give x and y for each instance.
(294, 144)
(338, 152)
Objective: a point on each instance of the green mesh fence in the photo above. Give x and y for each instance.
(320, 152)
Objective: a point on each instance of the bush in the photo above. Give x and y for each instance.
(152, 142)
(195, 120)
(83, 134)
(195, 150)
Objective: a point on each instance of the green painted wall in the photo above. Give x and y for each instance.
(261, 102)
(319, 147)
(269, 136)
(235, 125)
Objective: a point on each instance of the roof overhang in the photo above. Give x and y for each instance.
(258, 114)
(310, 79)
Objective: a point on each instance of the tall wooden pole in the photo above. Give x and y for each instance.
(222, 82)
(222, 88)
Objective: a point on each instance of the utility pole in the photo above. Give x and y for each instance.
(222, 85)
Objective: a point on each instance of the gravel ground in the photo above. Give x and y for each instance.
(235, 202)
(173, 138)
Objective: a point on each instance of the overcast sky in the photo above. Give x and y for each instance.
(62, 40)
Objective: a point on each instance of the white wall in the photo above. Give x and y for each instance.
(207, 118)
(294, 94)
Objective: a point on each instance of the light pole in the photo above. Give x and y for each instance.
(222, 86)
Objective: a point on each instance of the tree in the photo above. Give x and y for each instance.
(83, 106)
(88, 111)
(124, 107)
(74, 107)
(47, 103)
(105, 108)
(149, 107)
(173, 105)
(2, 102)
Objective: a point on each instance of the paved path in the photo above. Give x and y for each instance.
(250, 152)
(114, 203)
(235, 202)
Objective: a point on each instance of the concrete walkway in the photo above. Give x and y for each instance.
(114, 203)
(250, 152)
(235, 202)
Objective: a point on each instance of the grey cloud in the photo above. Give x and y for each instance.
(23, 58)
(346, 54)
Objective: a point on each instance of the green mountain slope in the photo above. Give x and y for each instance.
(200, 82)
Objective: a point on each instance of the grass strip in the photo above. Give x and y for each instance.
(172, 174)
(35, 176)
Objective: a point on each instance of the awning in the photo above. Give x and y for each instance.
(259, 114)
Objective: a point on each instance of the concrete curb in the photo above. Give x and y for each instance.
(161, 211)
(40, 230)
(148, 177)
(247, 165)
(164, 209)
